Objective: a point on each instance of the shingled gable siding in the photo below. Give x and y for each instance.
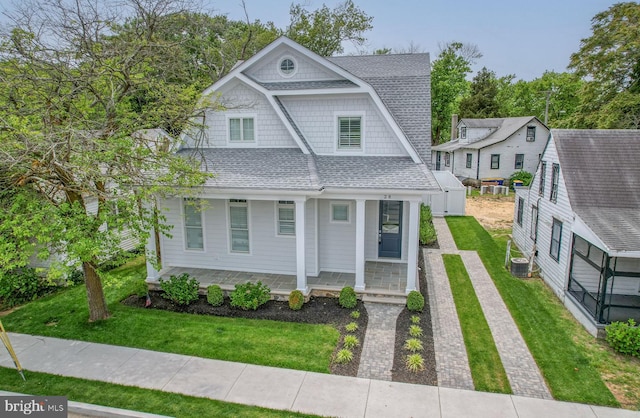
(241, 100)
(306, 69)
(316, 118)
(269, 253)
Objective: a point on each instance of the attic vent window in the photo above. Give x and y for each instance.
(287, 67)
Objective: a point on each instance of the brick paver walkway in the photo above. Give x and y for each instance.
(376, 360)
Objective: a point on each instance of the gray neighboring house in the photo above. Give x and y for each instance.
(492, 148)
(580, 220)
(320, 168)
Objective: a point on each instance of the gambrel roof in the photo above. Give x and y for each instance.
(602, 175)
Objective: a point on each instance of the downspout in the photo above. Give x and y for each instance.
(478, 166)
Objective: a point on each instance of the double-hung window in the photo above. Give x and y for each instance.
(194, 239)
(531, 133)
(447, 159)
(520, 213)
(556, 239)
(286, 217)
(519, 162)
(469, 159)
(239, 225)
(543, 177)
(463, 132)
(350, 133)
(555, 176)
(495, 161)
(241, 130)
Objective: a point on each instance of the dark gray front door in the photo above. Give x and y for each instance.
(390, 229)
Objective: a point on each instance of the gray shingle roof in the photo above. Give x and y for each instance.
(602, 175)
(307, 85)
(403, 83)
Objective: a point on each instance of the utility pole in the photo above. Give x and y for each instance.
(546, 105)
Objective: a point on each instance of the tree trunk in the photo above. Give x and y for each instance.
(95, 295)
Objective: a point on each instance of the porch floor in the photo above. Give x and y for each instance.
(379, 277)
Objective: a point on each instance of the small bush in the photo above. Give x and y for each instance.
(182, 289)
(355, 314)
(351, 341)
(624, 337)
(22, 285)
(415, 331)
(413, 345)
(415, 301)
(75, 278)
(523, 176)
(348, 298)
(351, 327)
(142, 289)
(415, 363)
(427, 230)
(215, 295)
(250, 295)
(415, 319)
(296, 300)
(344, 356)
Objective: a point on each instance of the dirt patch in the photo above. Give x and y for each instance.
(492, 212)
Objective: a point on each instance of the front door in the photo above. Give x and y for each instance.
(390, 229)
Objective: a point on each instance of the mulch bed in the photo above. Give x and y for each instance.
(399, 372)
(318, 310)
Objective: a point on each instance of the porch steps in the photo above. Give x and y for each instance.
(390, 299)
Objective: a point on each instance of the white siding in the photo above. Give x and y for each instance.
(336, 241)
(475, 134)
(242, 100)
(316, 117)
(306, 69)
(460, 166)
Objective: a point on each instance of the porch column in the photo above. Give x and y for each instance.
(301, 265)
(151, 253)
(359, 287)
(412, 255)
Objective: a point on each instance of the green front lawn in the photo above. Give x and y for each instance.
(541, 319)
(268, 343)
(128, 397)
(486, 367)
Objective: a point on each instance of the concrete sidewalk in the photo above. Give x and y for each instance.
(314, 393)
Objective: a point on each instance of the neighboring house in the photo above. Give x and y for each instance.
(580, 219)
(492, 148)
(320, 168)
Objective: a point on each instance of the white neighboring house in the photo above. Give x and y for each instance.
(492, 148)
(320, 167)
(580, 220)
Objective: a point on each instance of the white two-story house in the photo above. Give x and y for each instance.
(320, 166)
(492, 148)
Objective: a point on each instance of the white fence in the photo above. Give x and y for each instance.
(452, 199)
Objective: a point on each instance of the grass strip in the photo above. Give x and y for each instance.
(129, 397)
(541, 320)
(486, 367)
(269, 343)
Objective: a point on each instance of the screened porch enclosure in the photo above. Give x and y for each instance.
(607, 287)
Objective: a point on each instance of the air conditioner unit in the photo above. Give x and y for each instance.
(531, 138)
(520, 267)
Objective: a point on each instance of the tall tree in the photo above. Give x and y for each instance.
(449, 85)
(324, 30)
(77, 89)
(610, 62)
(483, 100)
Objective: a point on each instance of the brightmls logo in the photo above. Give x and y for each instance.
(33, 406)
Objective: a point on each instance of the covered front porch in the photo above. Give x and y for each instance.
(381, 279)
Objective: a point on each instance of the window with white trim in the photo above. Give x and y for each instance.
(194, 238)
(556, 239)
(241, 130)
(519, 165)
(555, 177)
(287, 66)
(520, 212)
(350, 132)
(531, 133)
(239, 225)
(543, 177)
(463, 132)
(495, 161)
(447, 159)
(469, 160)
(340, 212)
(286, 217)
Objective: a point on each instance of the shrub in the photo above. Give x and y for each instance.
(348, 298)
(624, 337)
(415, 362)
(351, 327)
(296, 300)
(181, 289)
(427, 231)
(415, 319)
(355, 314)
(413, 345)
(22, 285)
(523, 176)
(415, 301)
(215, 295)
(415, 331)
(351, 341)
(75, 278)
(142, 288)
(344, 356)
(250, 295)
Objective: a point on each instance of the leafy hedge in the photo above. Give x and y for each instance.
(427, 231)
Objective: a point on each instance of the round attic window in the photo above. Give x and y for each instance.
(287, 67)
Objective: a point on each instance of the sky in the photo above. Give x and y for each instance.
(519, 37)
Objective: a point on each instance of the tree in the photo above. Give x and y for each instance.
(324, 30)
(79, 81)
(483, 100)
(449, 85)
(610, 62)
